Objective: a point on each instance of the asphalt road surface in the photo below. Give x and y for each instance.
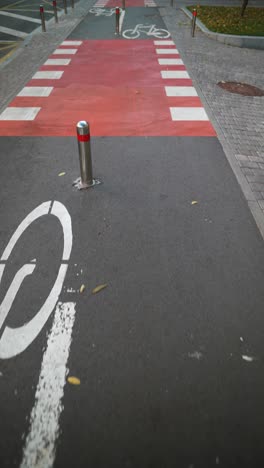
(20, 18)
(167, 357)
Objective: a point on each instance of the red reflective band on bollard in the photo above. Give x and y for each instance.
(41, 9)
(117, 11)
(54, 3)
(83, 137)
(194, 13)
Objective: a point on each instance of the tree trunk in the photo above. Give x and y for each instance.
(244, 6)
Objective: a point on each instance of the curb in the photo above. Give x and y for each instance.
(249, 42)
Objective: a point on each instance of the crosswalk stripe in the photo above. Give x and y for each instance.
(20, 113)
(170, 61)
(36, 91)
(180, 91)
(13, 32)
(167, 51)
(57, 62)
(47, 75)
(188, 113)
(168, 74)
(163, 42)
(65, 51)
(21, 17)
(75, 43)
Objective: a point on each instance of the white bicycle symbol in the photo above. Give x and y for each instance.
(148, 30)
(15, 340)
(102, 11)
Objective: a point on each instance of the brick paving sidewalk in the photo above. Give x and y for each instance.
(238, 120)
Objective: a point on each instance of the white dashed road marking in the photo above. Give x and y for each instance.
(188, 113)
(65, 51)
(47, 75)
(170, 61)
(167, 51)
(19, 113)
(169, 74)
(41, 91)
(180, 91)
(57, 62)
(163, 42)
(71, 43)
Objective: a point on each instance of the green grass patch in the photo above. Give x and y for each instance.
(228, 20)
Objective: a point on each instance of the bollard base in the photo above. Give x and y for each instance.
(83, 186)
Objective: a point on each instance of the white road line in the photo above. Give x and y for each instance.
(15, 340)
(180, 91)
(170, 61)
(122, 16)
(21, 17)
(188, 113)
(164, 42)
(57, 62)
(174, 74)
(41, 91)
(13, 32)
(19, 113)
(47, 75)
(167, 51)
(74, 43)
(40, 449)
(65, 51)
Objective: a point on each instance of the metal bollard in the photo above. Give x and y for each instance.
(83, 135)
(42, 17)
(123, 4)
(171, 3)
(194, 21)
(65, 6)
(72, 4)
(117, 19)
(54, 3)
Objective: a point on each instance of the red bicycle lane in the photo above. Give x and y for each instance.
(122, 87)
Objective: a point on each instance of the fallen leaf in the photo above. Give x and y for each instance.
(82, 288)
(195, 355)
(194, 202)
(99, 288)
(74, 380)
(61, 174)
(248, 358)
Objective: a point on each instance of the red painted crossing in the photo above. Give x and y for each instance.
(116, 85)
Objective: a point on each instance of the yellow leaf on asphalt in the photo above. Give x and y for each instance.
(194, 202)
(99, 288)
(61, 174)
(74, 380)
(82, 288)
